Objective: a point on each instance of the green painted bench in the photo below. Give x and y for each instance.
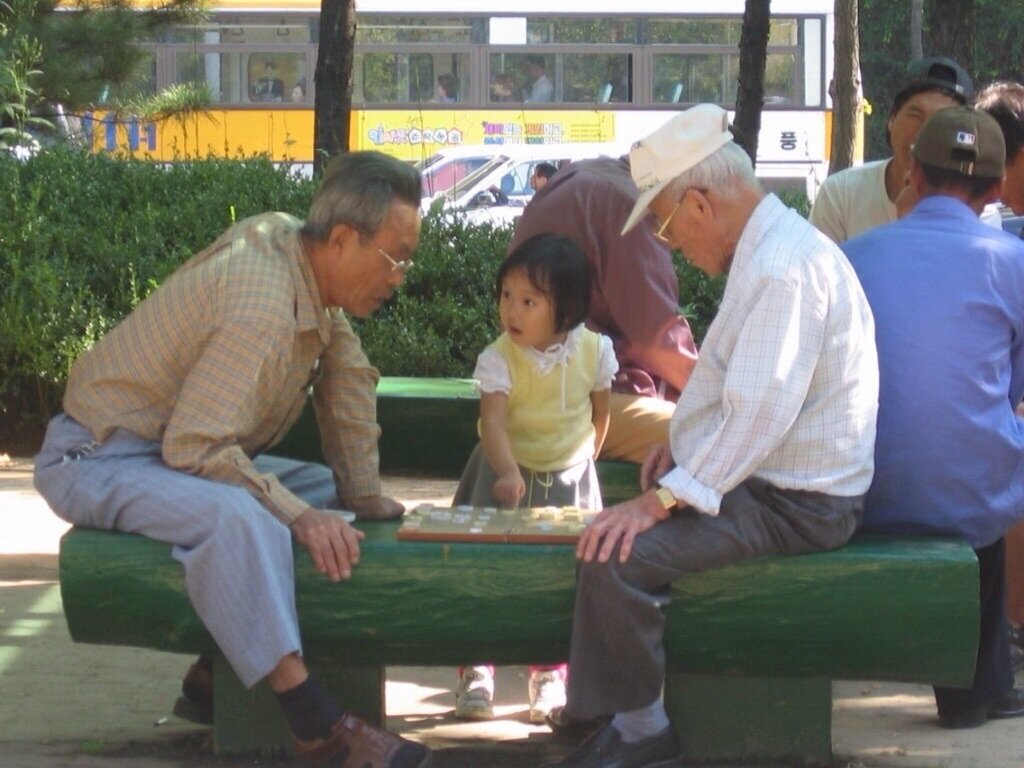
(752, 649)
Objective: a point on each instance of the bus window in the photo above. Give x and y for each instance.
(781, 80)
(531, 73)
(142, 82)
(702, 77)
(221, 72)
(597, 77)
(390, 78)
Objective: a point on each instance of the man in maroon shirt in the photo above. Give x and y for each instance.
(634, 301)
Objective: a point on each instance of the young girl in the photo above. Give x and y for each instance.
(544, 393)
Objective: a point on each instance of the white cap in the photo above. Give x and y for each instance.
(677, 146)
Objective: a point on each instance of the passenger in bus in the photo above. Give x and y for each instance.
(504, 88)
(634, 296)
(539, 87)
(270, 87)
(167, 416)
(544, 388)
(299, 90)
(789, 366)
(861, 198)
(447, 88)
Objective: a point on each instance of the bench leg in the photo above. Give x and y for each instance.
(250, 721)
(723, 718)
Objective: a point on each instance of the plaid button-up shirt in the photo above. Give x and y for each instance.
(217, 363)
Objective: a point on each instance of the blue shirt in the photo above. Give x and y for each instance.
(947, 293)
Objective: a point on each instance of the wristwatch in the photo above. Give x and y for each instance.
(668, 501)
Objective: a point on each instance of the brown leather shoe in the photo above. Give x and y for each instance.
(196, 700)
(355, 744)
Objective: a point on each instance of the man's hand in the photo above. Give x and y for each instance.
(623, 522)
(332, 543)
(510, 488)
(375, 507)
(657, 462)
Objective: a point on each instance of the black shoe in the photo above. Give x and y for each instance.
(569, 728)
(1010, 704)
(196, 700)
(606, 749)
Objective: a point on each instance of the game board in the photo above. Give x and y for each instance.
(536, 525)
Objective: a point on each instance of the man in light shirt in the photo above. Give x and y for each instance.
(861, 198)
(165, 416)
(771, 442)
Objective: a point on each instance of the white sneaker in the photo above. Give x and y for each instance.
(474, 696)
(547, 690)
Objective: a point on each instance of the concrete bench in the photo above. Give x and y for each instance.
(752, 649)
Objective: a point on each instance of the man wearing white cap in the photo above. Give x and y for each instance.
(771, 442)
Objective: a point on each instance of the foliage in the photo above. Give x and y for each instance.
(19, 54)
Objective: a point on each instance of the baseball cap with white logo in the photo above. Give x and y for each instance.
(674, 148)
(964, 140)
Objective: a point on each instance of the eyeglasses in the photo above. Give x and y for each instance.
(396, 266)
(660, 231)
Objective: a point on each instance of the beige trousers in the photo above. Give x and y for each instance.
(636, 424)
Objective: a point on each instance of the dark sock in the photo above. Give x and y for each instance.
(410, 755)
(310, 710)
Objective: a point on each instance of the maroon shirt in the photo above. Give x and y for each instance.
(635, 295)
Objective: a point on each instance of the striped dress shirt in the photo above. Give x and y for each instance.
(217, 364)
(786, 387)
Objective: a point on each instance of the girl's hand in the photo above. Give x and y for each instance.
(509, 489)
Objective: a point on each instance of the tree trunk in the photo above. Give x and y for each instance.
(750, 91)
(951, 30)
(846, 91)
(332, 105)
(916, 27)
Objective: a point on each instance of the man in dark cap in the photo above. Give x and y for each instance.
(857, 199)
(947, 454)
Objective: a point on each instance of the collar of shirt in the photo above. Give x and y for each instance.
(556, 354)
(766, 215)
(942, 206)
(310, 313)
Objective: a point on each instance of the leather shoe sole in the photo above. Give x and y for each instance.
(606, 749)
(356, 744)
(570, 729)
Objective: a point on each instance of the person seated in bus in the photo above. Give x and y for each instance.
(541, 173)
(863, 197)
(616, 86)
(504, 88)
(447, 88)
(634, 296)
(539, 88)
(299, 90)
(270, 87)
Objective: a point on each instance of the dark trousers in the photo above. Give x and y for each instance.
(993, 672)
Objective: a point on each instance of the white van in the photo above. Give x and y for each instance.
(497, 191)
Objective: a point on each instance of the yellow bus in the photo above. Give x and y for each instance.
(442, 73)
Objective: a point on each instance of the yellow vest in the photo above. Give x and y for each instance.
(548, 433)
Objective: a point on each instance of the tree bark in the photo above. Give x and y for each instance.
(951, 30)
(750, 90)
(846, 90)
(332, 104)
(916, 27)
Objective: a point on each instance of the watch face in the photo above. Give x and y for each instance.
(666, 498)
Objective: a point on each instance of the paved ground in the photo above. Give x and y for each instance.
(73, 706)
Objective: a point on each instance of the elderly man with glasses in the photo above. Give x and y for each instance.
(165, 417)
(771, 442)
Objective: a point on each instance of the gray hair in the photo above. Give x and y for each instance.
(358, 188)
(720, 171)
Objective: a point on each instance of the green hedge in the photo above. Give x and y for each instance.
(84, 238)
